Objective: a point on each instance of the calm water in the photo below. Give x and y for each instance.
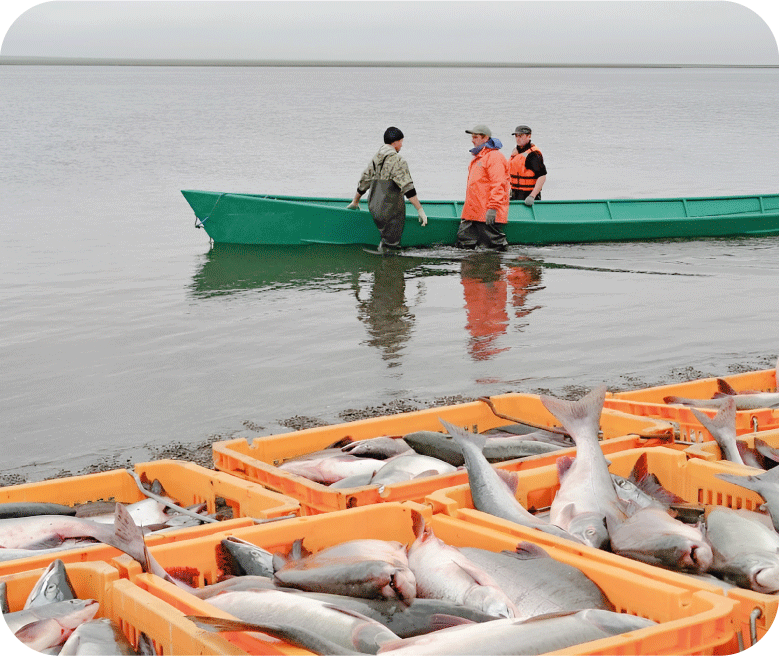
(121, 328)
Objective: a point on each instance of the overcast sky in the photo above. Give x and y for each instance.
(655, 31)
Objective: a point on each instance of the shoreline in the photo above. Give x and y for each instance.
(200, 452)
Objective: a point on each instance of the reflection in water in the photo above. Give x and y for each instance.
(231, 268)
(486, 279)
(384, 312)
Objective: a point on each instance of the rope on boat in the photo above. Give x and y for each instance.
(198, 222)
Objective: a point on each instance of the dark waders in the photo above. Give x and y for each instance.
(388, 209)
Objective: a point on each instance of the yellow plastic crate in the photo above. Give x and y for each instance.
(257, 461)
(692, 621)
(711, 450)
(649, 402)
(693, 480)
(188, 483)
(133, 609)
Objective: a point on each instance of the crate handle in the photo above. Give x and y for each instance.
(753, 617)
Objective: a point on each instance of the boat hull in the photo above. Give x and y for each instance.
(290, 220)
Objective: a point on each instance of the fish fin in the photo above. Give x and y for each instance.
(339, 444)
(476, 573)
(724, 387)
(440, 621)
(649, 483)
(766, 450)
(298, 551)
(563, 463)
(221, 624)
(565, 515)
(31, 632)
(461, 435)
(746, 482)
(578, 416)
(726, 416)
(417, 523)
(640, 469)
(426, 473)
(510, 479)
(528, 551)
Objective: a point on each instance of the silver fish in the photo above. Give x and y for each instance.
(642, 488)
(362, 568)
(349, 631)
(537, 583)
(746, 551)
(31, 508)
(443, 572)
(404, 619)
(68, 614)
(247, 558)
(407, 466)
(328, 469)
(496, 448)
(723, 429)
(527, 637)
(98, 637)
(652, 536)
(146, 512)
(377, 447)
(765, 484)
(53, 585)
(489, 492)
(587, 496)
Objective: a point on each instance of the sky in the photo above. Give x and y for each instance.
(544, 31)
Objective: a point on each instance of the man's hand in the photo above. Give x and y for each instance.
(491, 216)
(530, 200)
(354, 205)
(422, 217)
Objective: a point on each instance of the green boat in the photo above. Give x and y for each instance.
(294, 220)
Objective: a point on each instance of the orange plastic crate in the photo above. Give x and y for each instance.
(693, 480)
(649, 402)
(188, 483)
(692, 621)
(257, 461)
(133, 609)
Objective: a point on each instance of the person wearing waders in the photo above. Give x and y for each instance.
(389, 180)
(486, 205)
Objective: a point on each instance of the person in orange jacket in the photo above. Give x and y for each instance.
(486, 195)
(526, 168)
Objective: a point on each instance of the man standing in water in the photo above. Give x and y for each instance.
(486, 195)
(389, 180)
(526, 168)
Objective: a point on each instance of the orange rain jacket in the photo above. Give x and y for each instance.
(488, 186)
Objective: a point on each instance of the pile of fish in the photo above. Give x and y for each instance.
(635, 520)
(376, 596)
(394, 459)
(35, 528)
(745, 400)
(54, 621)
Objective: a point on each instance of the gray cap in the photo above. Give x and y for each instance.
(480, 129)
(522, 129)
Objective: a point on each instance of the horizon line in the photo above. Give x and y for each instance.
(22, 60)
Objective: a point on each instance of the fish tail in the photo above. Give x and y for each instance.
(747, 482)
(578, 417)
(724, 387)
(725, 417)
(462, 436)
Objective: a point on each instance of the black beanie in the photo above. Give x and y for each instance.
(391, 135)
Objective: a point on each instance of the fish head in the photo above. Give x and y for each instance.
(490, 600)
(404, 584)
(590, 529)
(758, 571)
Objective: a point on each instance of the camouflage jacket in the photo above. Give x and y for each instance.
(387, 164)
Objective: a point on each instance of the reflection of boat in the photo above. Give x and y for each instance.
(231, 268)
(295, 220)
(486, 280)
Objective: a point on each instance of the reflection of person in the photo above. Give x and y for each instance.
(486, 284)
(384, 312)
(487, 194)
(389, 179)
(526, 168)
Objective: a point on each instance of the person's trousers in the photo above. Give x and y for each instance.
(471, 234)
